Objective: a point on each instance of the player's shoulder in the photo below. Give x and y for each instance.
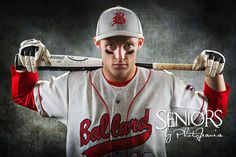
(77, 73)
(157, 75)
(82, 74)
(163, 75)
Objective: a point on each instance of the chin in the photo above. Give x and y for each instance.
(119, 72)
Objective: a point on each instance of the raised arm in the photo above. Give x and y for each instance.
(215, 88)
(31, 53)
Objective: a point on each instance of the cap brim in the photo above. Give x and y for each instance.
(118, 33)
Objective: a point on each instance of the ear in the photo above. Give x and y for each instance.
(140, 43)
(97, 43)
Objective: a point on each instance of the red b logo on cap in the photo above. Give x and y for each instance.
(119, 18)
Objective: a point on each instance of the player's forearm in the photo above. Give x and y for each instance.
(22, 87)
(217, 83)
(217, 100)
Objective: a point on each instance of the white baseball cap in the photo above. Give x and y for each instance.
(118, 21)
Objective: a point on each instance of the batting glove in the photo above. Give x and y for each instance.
(212, 61)
(31, 54)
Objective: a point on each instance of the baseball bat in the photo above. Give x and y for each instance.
(80, 63)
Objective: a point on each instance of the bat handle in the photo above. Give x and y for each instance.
(171, 66)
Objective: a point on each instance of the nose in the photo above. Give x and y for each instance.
(120, 53)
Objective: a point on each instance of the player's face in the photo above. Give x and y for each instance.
(119, 56)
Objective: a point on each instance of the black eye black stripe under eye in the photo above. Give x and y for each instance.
(130, 52)
(108, 52)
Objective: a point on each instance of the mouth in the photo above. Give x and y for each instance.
(120, 65)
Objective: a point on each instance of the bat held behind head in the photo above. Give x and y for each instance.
(81, 63)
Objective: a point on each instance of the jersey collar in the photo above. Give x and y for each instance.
(120, 84)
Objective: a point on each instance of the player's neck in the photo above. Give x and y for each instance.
(120, 82)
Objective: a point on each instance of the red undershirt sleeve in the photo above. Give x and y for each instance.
(22, 85)
(217, 100)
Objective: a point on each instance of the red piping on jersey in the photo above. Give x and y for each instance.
(104, 103)
(90, 80)
(131, 104)
(131, 101)
(120, 84)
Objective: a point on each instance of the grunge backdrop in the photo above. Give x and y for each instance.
(175, 31)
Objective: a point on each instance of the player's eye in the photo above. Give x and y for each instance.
(111, 46)
(128, 46)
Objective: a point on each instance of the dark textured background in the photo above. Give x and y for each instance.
(175, 31)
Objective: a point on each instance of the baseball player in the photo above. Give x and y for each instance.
(112, 111)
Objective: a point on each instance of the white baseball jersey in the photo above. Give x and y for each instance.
(104, 120)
